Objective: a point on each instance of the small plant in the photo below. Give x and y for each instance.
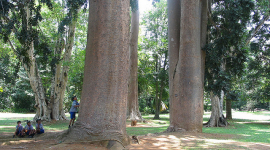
(146, 110)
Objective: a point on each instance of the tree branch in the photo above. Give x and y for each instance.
(256, 30)
(211, 20)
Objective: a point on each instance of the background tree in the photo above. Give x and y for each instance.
(38, 49)
(133, 112)
(227, 51)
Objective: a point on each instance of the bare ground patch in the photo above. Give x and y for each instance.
(193, 141)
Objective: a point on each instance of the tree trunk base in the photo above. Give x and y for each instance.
(135, 116)
(221, 122)
(156, 118)
(83, 133)
(175, 129)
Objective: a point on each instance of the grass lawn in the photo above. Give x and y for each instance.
(248, 127)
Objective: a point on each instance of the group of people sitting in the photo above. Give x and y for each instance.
(28, 129)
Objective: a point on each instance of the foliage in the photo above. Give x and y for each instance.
(226, 52)
(153, 56)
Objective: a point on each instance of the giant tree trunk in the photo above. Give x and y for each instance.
(133, 112)
(186, 82)
(228, 109)
(61, 76)
(217, 118)
(103, 104)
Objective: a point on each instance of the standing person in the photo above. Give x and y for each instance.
(19, 130)
(39, 127)
(73, 110)
(29, 129)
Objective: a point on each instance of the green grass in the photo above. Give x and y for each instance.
(246, 130)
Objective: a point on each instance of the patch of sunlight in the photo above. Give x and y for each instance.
(157, 144)
(218, 141)
(7, 127)
(263, 130)
(173, 137)
(162, 139)
(163, 148)
(56, 130)
(244, 134)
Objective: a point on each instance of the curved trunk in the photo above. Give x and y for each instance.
(103, 104)
(61, 76)
(133, 112)
(42, 110)
(187, 88)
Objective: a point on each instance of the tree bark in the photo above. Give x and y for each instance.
(187, 101)
(103, 104)
(133, 112)
(174, 17)
(228, 109)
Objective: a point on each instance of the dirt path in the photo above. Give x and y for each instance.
(193, 141)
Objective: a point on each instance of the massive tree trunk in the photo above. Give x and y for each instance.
(186, 107)
(61, 75)
(133, 112)
(228, 109)
(103, 104)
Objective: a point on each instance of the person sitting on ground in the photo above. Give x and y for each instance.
(73, 110)
(19, 130)
(39, 127)
(29, 130)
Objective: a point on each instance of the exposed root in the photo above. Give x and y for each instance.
(221, 122)
(175, 129)
(83, 133)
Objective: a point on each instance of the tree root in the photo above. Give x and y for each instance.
(83, 133)
(174, 129)
(221, 122)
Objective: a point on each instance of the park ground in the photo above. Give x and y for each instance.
(246, 131)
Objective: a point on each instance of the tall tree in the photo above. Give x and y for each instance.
(227, 50)
(103, 104)
(20, 18)
(61, 68)
(28, 41)
(133, 112)
(186, 83)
